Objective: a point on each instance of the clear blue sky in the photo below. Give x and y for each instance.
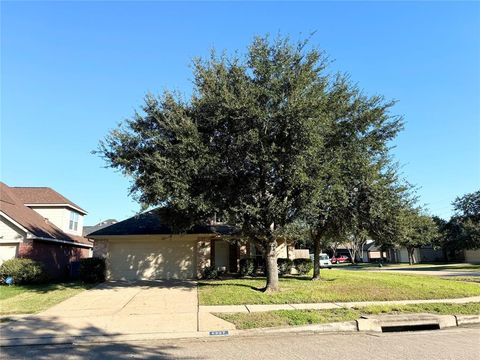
(70, 71)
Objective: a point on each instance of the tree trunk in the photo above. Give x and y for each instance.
(271, 267)
(316, 258)
(353, 255)
(410, 255)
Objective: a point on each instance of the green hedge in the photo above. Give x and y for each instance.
(284, 266)
(210, 272)
(92, 270)
(248, 266)
(23, 271)
(303, 266)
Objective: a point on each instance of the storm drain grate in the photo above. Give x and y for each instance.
(399, 328)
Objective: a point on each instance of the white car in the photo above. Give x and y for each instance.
(324, 261)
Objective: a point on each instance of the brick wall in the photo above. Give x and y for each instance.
(55, 257)
(100, 248)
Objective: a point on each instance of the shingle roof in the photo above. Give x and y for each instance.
(41, 195)
(34, 223)
(153, 223)
(102, 224)
(372, 246)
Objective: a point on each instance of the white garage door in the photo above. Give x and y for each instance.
(149, 260)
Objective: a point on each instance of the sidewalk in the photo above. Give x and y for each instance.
(322, 306)
(46, 329)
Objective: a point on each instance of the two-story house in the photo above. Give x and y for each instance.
(41, 224)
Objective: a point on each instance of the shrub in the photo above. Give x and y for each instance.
(284, 266)
(210, 272)
(23, 271)
(92, 270)
(247, 266)
(303, 266)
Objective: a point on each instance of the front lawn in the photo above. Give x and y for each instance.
(336, 285)
(420, 266)
(306, 317)
(28, 299)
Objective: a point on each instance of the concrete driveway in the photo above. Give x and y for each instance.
(119, 308)
(150, 305)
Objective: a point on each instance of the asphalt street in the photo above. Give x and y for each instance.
(457, 343)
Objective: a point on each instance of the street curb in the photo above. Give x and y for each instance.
(92, 339)
(338, 327)
(345, 326)
(467, 319)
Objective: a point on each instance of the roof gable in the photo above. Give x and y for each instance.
(42, 195)
(13, 209)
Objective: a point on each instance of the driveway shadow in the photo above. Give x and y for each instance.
(15, 330)
(147, 284)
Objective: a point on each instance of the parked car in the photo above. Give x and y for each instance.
(324, 261)
(340, 259)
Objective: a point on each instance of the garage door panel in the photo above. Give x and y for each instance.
(152, 260)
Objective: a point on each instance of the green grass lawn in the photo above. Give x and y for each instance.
(306, 317)
(421, 266)
(335, 286)
(28, 299)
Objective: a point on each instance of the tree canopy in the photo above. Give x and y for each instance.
(264, 140)
(462, 231)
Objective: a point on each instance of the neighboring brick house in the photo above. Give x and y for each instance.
(41, 224)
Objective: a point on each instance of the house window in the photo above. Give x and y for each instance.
(73, 225)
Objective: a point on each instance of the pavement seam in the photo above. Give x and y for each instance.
(129, 301)
(198, 307)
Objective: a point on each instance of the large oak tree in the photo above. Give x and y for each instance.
(240, 146)
(263, 139)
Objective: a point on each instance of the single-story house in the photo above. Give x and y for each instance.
(472, 256)
(145, 247)
(41, 224)
(372, 252)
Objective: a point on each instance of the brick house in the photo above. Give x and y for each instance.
(41, 224)
(145, 247)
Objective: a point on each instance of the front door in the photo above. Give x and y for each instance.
(234, 255)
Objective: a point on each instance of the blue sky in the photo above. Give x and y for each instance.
(71, 71)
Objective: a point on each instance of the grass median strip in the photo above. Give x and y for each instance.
(335, 286)
(307, 317)
(28, 299)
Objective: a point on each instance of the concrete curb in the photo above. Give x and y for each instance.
(346, 326)
(90, 339)
(367, 325)
(467, 319)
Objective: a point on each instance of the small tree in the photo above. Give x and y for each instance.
(462, 231)
(465, 224)
(417, 230)
(353, 171)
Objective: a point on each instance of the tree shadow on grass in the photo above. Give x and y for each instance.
(305, 278)
(216, 284)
